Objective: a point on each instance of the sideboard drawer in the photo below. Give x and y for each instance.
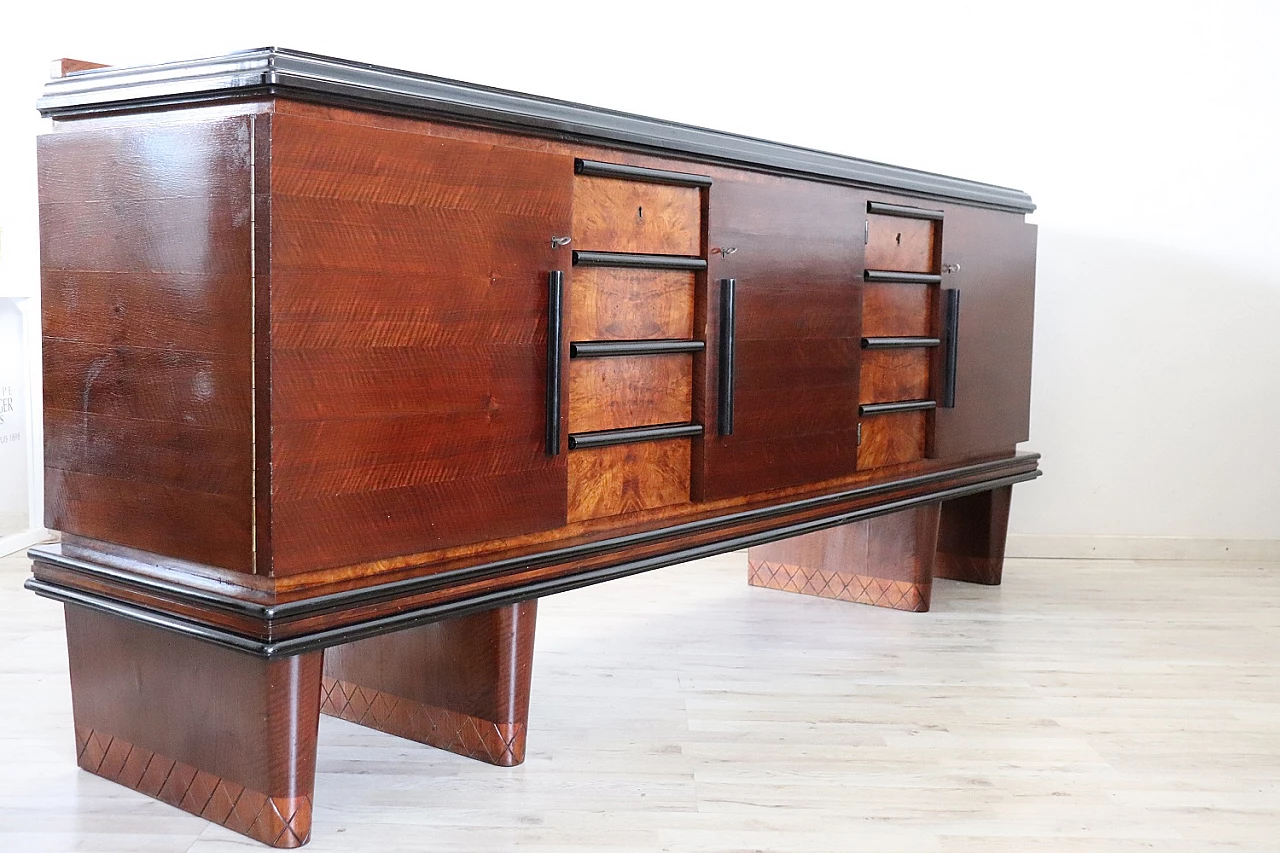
(892, 375)
(900, 244)
(629, 304)
(615, 215)
(607, 481)
(616, 393)
(897, 309)
(891, 439)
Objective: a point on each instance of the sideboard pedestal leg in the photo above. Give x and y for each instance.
(971, 537)
(461, 684)
(218, 733)
(885, 561)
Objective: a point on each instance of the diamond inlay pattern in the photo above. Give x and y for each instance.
(846, 586)
(277, 821)
(483, 740)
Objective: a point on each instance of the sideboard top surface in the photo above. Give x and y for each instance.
(289, 73)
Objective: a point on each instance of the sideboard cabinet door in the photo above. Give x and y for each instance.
(408, 304)
(794, 249)
(989, 257)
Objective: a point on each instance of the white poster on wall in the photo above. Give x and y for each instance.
(14, 403)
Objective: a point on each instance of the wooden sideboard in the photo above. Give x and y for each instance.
(345, 367)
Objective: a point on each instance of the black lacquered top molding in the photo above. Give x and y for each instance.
(289, 73)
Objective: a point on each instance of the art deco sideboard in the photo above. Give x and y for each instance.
(345, 367)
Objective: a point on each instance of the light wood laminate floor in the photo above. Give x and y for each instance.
(1100, 706)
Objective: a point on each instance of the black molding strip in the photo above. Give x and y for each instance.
(951, 356)
(728, 339)
(555, 337)
(597, 169)
(271, 71)
(306, 607)
(604, 349)
(903, 211)
(890, 408)
(638, 261)
(630, 435)
(899, 343)
(537, 589)
(904, 277)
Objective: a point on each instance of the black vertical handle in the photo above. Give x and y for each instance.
(727, 289)
(951, 337)
(555, 335)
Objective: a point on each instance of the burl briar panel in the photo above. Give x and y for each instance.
(885, 561)
(624, 478)
(897, 309)
(630, 391)
(895, 375)
(893, 439)
(461, 684)
(900, 244)
(146, 287)
(218, 733)
(408, 315)
(625, 304)
(611, 215)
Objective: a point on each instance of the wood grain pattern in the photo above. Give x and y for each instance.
(164, 453)
(900, 244)
(886, 561)
(625, 478)
(460, 684)
(612, 393)
(797, 267)
(408, 318)
(223, 735)
(971, 537)
(892, 439)
(625, 304)
(166, 519)
(611, 215)
(146, 279)
(892, 375)
(203, 390)
(997, 257)
(165, 311)
(897, 309)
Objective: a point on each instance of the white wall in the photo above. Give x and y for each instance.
(1146, 132)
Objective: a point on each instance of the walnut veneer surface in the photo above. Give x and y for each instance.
(349, 359)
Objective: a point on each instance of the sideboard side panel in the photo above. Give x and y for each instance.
(146, 277)
(408, 322)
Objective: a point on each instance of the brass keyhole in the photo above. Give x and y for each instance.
(899, 238)
(640, 213)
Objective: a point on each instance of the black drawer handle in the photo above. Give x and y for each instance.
(602, 349)
(906, 212)
(555, 334)
(728, 323)
(635, 260)
(899, 342)
(951, 339)
(630, 435)
(595, 168)
(891, 408)
(905, 277)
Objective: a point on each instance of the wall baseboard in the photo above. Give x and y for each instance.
(1045, 546)
(23, 539)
